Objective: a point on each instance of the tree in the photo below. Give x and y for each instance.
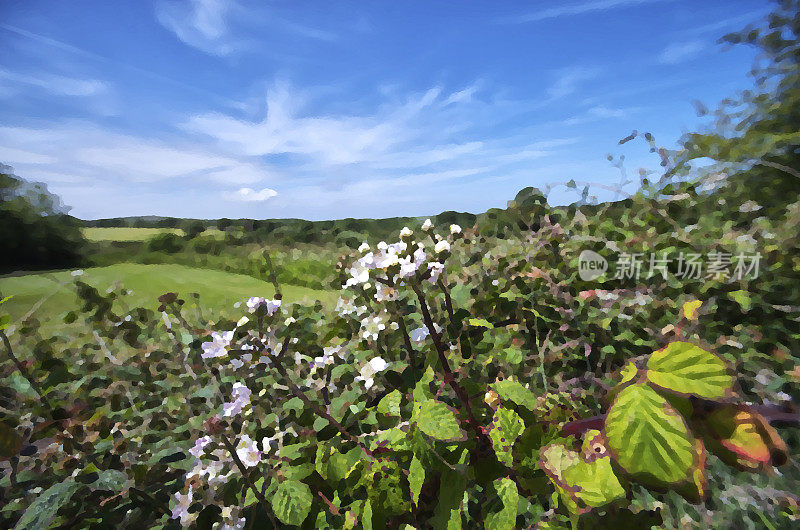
(194, 228)
(761, 127)
(35, 230)
(224, 223)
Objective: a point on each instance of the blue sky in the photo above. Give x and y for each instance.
(324, 110)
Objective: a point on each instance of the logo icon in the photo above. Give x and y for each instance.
(591, 265)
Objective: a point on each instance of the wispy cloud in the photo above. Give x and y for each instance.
(250, 195)
(568, 79)
(571, 10)
(55, 84)
(215, 26)
(202, 24)
(598, 112)
(69, 49)
(96, 153)
(678, 52)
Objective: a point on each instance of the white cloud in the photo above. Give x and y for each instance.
(250, 195)
(572, 9)
(87, 151)
(679, 52)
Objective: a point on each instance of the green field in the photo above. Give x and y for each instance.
(218, 290)
(125, 233)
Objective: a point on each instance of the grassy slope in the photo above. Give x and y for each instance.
(125, 234)
(218, 290)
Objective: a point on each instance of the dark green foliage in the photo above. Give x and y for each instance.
(35, 230)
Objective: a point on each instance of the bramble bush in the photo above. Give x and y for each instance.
(459, 381)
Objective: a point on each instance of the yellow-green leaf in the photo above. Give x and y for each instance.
(506, 518)
(437, 420)
(416, 478)
(390, 404)
(292, 502)
(506, 427)
(688, 369)
(648, 437)
(511, 390)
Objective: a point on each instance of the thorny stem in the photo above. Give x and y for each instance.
(449, 377)
(448, 302)
(23, 371)
(319, 411)
(246, 474)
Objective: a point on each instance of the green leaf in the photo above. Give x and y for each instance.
(628, 372)
(390, 404)
(416, 478)
(480, 323)
(506, 518)
(513, 391)
(742, 298)
(111, 480)
(10, 441)
(5, 320)
(422, 389)
(451, 495)
(250, 497)
(648, 437)
(292, 502)
(506, 427)
(366, 516)
(688, 369)
(437, 420)
(44, 508)
(594, 482)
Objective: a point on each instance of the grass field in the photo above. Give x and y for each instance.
(125, 233)
(218, 290)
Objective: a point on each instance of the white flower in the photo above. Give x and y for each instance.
(408, 267)
(419, 334)
(77, 273)
(427, 225)
(382, 245)
(419, 255)
(326, 358)
(358, 274)
(181, 509)
(346, 306)
(442, 246)
(218, 345)
(266, 443)
(455, 229)
(372, 326)
(254, 302)
(199, 446)
(749, 206)
(241, 399)
(289, 321)
(364, 247)
(369, 370)
(406, 232)
(248, 452)
(436, 269)
(385, 293)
